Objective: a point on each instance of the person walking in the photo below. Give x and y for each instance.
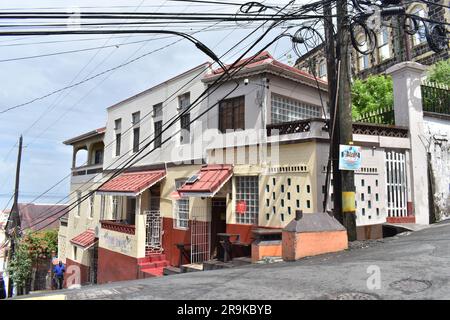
(58, 271)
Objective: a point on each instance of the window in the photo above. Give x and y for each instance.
(185, 120)
(135, 139)
(185, 133)
(181, 209)
(157, 123)
(117, 124)
(419, 37)
(247, 191)
(102, 206)
(363, 59)
(78, 203)
(384, 49)
(135, 118)
(157, 111)
(158, 134)
(98, 157)
(322, 69)
(75, 252)
(116, 209)
(285, 109)
(184, 101)
(91, 205)
(232, 114)
(118, 141)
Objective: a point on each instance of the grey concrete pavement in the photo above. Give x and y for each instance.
(411, 266)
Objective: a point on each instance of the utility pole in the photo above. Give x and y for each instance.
(333, 164)
(344, 117)
(14, 218)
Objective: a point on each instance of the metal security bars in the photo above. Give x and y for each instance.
(153, 225)
(200, 236)
(396, 184)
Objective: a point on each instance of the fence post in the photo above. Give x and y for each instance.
(408, 111)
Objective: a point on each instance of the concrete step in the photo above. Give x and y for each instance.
(153, 272)
(241, 261)
(194, 267)
(216, 264)
(169, 270)
(156, 264)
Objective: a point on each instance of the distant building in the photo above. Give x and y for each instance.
(387, 53)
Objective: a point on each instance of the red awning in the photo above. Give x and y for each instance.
(132, 183)
(207, 182)
(85, 239)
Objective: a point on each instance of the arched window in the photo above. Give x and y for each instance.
(81, 157)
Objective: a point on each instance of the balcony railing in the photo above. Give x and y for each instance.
(85, 170)
(118, 226)
(372, 129)
(289, 127)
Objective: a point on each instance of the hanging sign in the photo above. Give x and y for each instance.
(241, 207)
(349, 157)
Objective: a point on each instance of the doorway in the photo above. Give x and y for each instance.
(218, 223)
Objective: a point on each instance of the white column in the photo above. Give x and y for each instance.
(407, 78)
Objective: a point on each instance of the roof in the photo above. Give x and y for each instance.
(87, 135)
(41, 216)
(264, 62)
(314, 222)
(132, 183)
(85, 239)
(209, 180)
(204, 65)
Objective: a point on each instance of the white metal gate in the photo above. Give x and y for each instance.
(153, 224)
(396, 184)
(200, 236)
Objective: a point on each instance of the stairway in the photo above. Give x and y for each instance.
(153, 265)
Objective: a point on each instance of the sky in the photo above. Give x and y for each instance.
(47, 122)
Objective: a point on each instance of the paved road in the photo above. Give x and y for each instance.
(412, 266)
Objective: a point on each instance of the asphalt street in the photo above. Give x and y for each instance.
(408, 266)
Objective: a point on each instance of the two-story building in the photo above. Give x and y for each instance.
(251, 152)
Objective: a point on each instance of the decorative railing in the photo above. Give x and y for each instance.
(435, 98)
(358, 128)
(380, 130)
(116, 225)
(289, 127)
(91, 169)
(381, 116)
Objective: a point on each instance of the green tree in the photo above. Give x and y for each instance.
(371, 94)
(31, 248)
(20, 267)
(440, 72)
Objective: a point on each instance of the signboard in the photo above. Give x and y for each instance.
(241, 207)
(349, 157)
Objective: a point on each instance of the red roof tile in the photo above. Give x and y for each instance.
(210, 179)
(133, 182)
(265, 58)
(84, 239)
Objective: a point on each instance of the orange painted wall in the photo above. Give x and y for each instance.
(296, 246)
(265, 250)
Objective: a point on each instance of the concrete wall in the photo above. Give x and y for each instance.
(436, 136)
